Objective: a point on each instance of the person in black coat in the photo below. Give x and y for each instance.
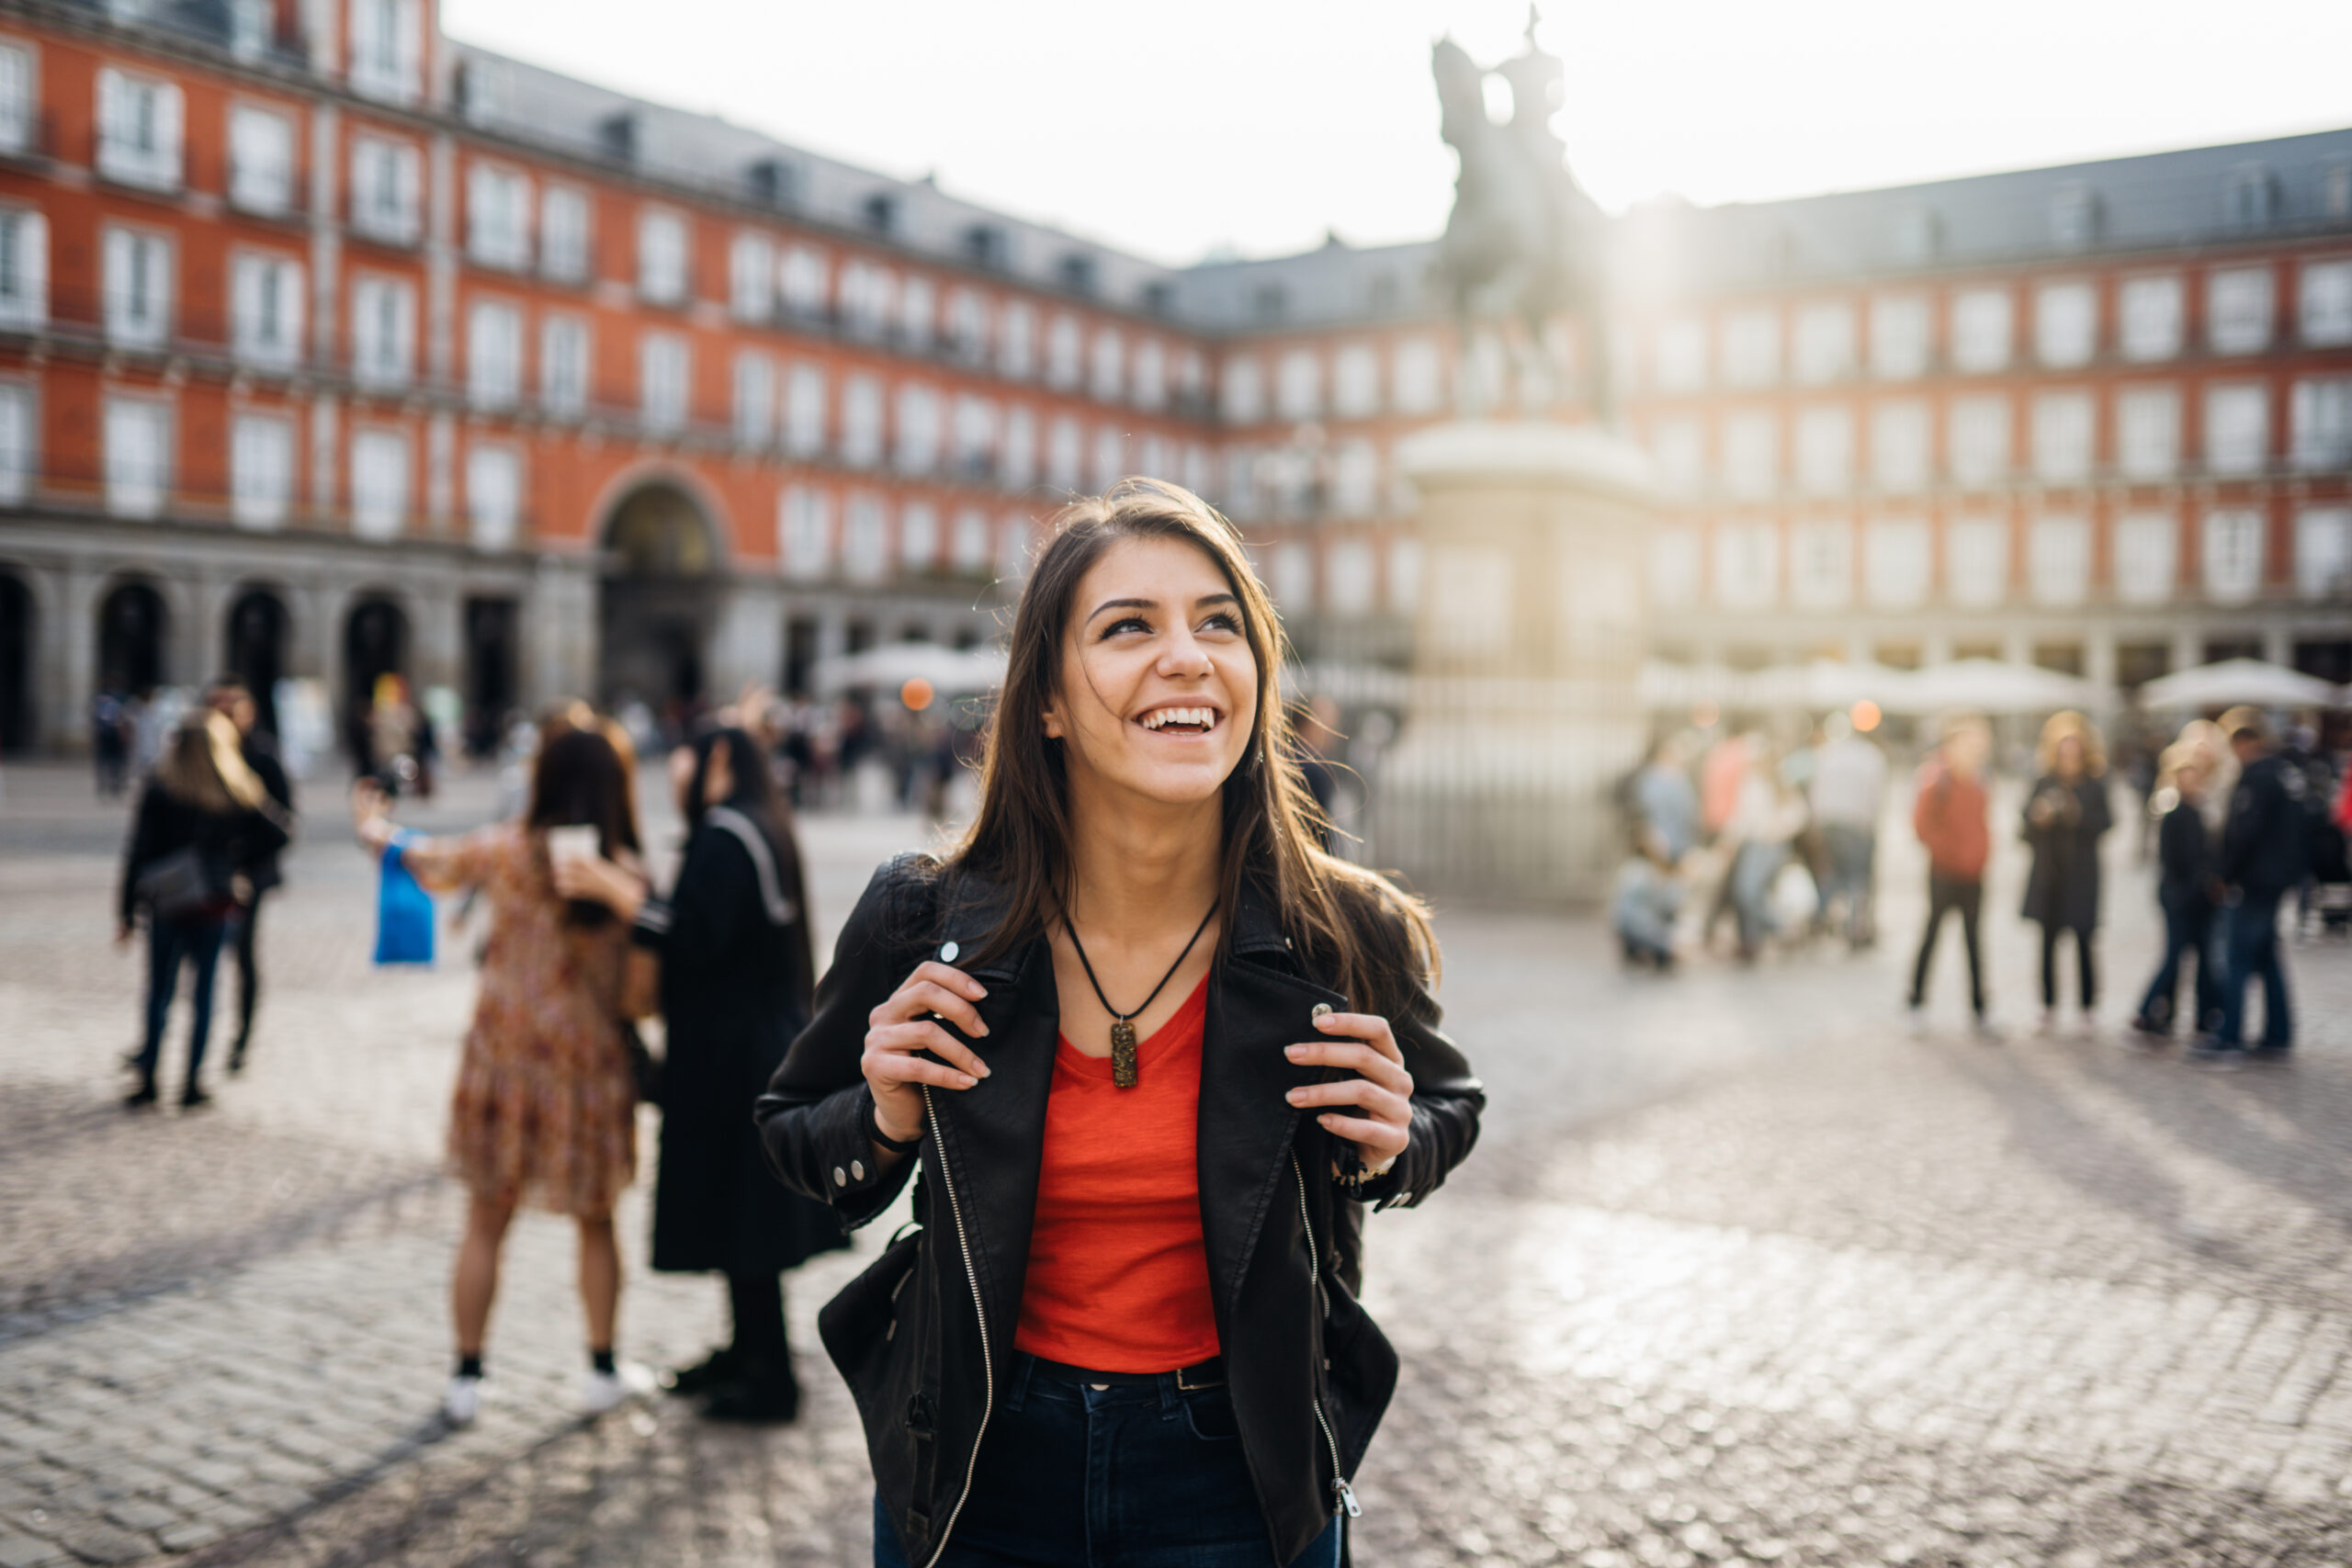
(231, 696)
(735, 977)
(2185, 891)
(2064, 817)
(204, 821)
(2265, 854)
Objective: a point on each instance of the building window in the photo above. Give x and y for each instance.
(139, 288)
(494, 496)
(138, 456)
(1200, 469)
(967, 325)
(1901, 325)
(1404, 575)
(386, 189)
(2324, 552)
(2322, 421)
(1016, 546)
(1291, 578)
(2063, 429)
(261, 159)
(1017, 459)
(1982, 330)
(804, 532)
(2249, 197)
(1752, 348)
(1821, 565)
(1977, 561)
(2238, 311)
(379, 483)
(1355, 382)
(1979, 440)
(24, 268)
(563, 366)
(969, 549)
(975, 435)
(1241, 395)
(1674, 567)
(1107, 371)
(1679, 447)
(1900, 457)
(1824, 350)
(754, 400)
(1298, 392)
(862, 422)
(2324, 306)
(2066, 324)
(865, 540)
(1149, 377)
(252, 26)
(18, 97)
(2148, 556)
(1747, 565)
(867, 291)
(1896, 562)
(1752, 455)
(918, 429)
(664, 376)
(498, 217)
(1351, 578)
(804, 410)
(19, 442)
(1418, 374)
(388, 48)
(1826, 451)
(383, 331)
(803, 279)
(2232, 555)
(2058, 561)
(1681, 354)
(261, 470)
(2074, 218)
(563, 234)
(918, 538)
(140, 124)
(2237, 428)
(918, 314)
(1110, 457)
(1016, 344)
(2147, 432)
(661, 258)
(494, 355)
(2152, 319)
(750, 277)
(266, 309)
(1064, 455)
(1355, 479)
(1062, 349)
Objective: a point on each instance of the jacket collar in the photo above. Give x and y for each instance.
(973, 907)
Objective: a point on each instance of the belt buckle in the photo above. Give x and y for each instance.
(1184, 1387)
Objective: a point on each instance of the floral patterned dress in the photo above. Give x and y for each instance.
(544, 1111)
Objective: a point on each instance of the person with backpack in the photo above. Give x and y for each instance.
(1948, 814)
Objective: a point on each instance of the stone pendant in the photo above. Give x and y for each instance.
(1123, 1053)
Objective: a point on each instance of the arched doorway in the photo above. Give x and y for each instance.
(375, 644)
(15, 663)
(660, 596)
(255, 639)
(131, 623)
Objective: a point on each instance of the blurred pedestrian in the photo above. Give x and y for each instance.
(1849, 793)
(110, 724)
(230, 698)
(1764, 826)
(737, 972)
(545, 1110)
(2186, 891)
(1665, 801)
(1645, 903)
(2264, 845)
(2066, 814)
(1318, 745)
(1948, 814)
(204, 819)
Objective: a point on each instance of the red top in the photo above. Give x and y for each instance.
(1118, 1279)
(1949, 817)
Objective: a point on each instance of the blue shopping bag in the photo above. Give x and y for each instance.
(403, 911)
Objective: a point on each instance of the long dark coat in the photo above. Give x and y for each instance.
(732, 980)
(2062, 889)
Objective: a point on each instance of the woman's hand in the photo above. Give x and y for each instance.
(904, 1025)
(594, 878)
(1382, 1090)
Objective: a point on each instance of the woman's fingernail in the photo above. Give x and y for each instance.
(979, 989)
(968, 1080)
(1293, 1051)
(984, 1069)
(1294, 1096)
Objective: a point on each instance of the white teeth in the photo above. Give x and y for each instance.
(1205, 717)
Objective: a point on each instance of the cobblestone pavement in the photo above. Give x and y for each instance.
(1742, 1271)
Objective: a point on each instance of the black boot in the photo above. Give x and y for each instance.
(764, 1394)
(143, 1097)
(712, 1371)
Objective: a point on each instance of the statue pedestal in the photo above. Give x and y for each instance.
(1533, 623)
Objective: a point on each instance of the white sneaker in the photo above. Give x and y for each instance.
(462, 1401)
(600, 1392)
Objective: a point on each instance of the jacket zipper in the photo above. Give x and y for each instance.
(1347, 1493)
(979, 1309)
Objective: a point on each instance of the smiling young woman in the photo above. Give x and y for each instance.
(1154, 1052)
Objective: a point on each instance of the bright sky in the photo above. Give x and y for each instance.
(1259, 124)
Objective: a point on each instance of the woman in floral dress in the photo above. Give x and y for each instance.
(546, 1102)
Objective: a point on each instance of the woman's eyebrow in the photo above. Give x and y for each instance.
(1122, 605)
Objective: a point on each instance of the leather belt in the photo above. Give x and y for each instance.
(1200, 1374)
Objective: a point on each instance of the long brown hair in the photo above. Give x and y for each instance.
(205, 766)
(580, 780)
(1375, 939)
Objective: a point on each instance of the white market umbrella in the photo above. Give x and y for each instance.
(2254, 681)
(952, 672)
(1992, 687)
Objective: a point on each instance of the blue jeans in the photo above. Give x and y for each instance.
(1135, 1475)
(169, 943)
(2250, 947)
(1853, 853)
(2189, 932)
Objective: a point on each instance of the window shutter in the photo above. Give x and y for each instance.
(170, 116)
(289, 308)
(404, 330)
(111, 104)
(408, 186)
(245, 300)
(32, 267)
(407, 52)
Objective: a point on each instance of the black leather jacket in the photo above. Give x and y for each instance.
(924, 1336)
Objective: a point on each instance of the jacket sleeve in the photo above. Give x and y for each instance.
(812, 1118)
(2099, 813)
(2250, 812)
(711, 908)
(142, 848)
(1447, 1101)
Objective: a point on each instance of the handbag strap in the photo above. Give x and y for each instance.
(727, 818)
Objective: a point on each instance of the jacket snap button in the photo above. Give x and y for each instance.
(947, 952)
(841, 1178)
(857, 1168)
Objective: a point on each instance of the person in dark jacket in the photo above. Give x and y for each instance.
(736, 973)
(2264, 847)
(2186, 891)
(230, 696)
(1154, 1052)
(2064, 815)
(204, 820)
